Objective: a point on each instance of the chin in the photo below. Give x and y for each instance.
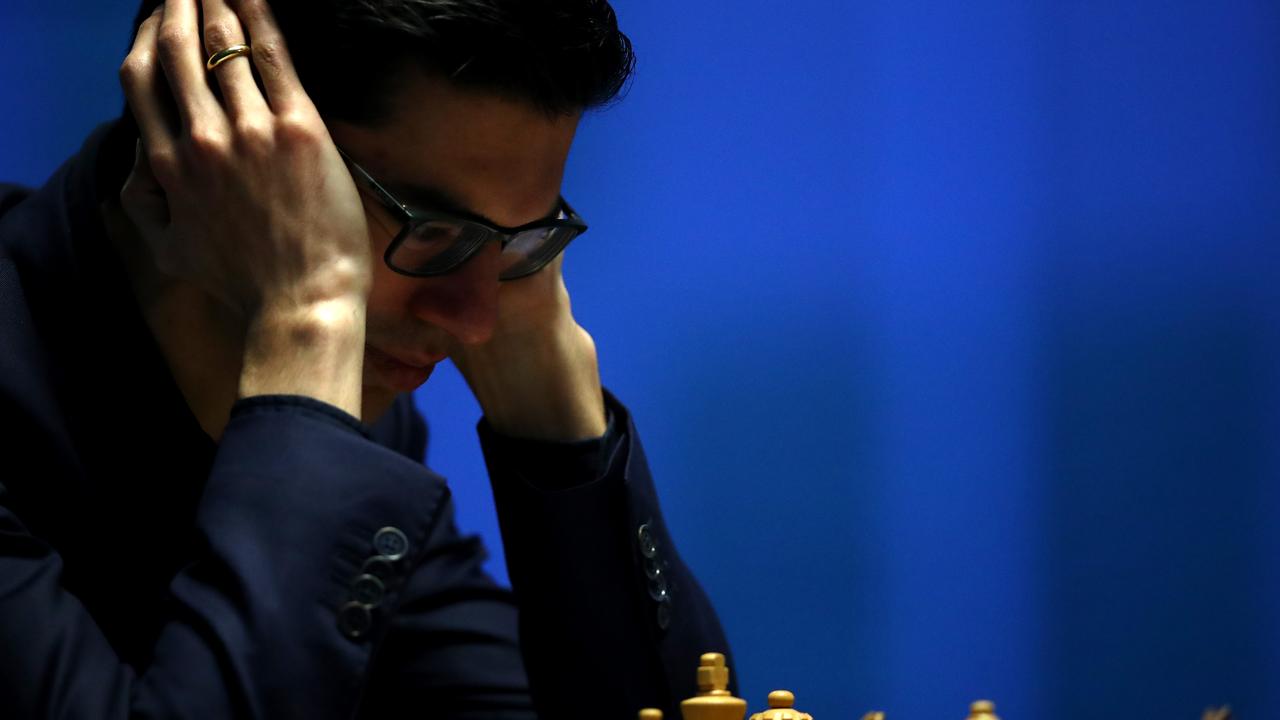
(375, 402)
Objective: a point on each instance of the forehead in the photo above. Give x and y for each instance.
(497, 157)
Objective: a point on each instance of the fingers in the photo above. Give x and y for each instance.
(181, 56)
(145, 89)
(222, 29)
(270, 57)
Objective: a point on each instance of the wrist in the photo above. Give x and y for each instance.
(315, 351)
(542, 386)
(311, 325)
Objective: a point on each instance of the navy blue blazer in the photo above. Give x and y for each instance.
(307, 565)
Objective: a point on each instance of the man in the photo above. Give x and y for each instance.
(213, 501)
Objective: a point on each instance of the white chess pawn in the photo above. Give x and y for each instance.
(982, 710)
(782, 706)
(713, 701)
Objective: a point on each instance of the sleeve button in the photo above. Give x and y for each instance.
(368, 590)
(391, 542)
(355, 620)
(659, 590)
(648, 547)
(379, 566)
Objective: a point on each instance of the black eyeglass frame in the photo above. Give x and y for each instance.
(413, 218)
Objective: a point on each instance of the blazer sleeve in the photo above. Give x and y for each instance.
(274, 617)
(611, 619)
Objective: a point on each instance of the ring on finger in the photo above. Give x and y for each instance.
(224, 55)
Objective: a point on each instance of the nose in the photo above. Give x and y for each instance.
(463, 303)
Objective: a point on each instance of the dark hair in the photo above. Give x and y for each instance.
(560, 55)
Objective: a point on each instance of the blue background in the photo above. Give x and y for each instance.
(952, 331)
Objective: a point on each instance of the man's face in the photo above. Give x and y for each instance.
(500, 159)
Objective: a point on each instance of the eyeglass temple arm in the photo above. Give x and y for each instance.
(387, 198)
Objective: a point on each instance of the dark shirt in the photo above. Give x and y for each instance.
(147, 570)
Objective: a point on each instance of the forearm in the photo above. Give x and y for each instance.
(544, 385)
(592, 565)
(257, 619)
(317, 351)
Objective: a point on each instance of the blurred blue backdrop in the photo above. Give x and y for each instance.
(952, 331)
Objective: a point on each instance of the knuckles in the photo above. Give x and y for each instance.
(255, 138)
(137, 64)
(253, 11)
(254, 135)
(207, 143)
(135, 70)
(213, 144)
(298, 130)
(266, 135)
(268, 57)
(220, 34)
(173, 43)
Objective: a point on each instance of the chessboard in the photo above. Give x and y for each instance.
(715, 702)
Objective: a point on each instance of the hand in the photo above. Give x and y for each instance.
(537, 376)
(247, 198)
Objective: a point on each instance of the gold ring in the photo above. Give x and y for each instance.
(222, 56)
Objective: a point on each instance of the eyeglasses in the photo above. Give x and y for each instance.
(432, 243)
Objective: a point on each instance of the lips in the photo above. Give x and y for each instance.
(403, 373)
(416, 361)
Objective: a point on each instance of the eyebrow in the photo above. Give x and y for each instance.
(425, 197)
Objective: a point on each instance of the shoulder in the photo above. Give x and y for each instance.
(19, 339)
(29, 397)
(11, 195)
(36, 428)
(24, 380)
(22, 348)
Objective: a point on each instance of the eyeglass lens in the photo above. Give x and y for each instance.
(530, 250)
(436, 246)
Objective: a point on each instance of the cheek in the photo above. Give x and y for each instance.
(380, 232)
(391, 292)
(387, 285)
